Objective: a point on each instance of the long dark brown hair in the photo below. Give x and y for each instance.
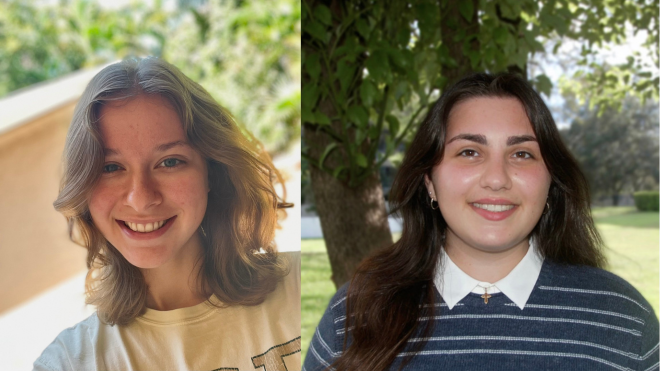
(242, 209)
(394, 287)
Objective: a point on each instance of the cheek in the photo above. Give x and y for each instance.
(451, 180)
(189, 193)
(535, 182)
(101, 203)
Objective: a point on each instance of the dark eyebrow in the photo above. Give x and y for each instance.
(478, 138)
(471, 137)
(160, 148)
(512, 141)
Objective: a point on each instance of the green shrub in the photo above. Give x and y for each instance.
(646, 200)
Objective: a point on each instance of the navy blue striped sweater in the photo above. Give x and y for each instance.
(577, 318)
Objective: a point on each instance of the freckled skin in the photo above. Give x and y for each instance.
(144, 187)
(470, 171)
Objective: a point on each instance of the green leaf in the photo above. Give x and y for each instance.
(361, 160)
(345, 74)
(368, 92)
(317, 30)
(363, 28)
(466, 8)
(329, 148)
(307, 116)
(398, 58)
(393, 123)
(358, 115)
(440, 82)
(543, 84)
(403, 36)
(556, 47)
(309, 95)
(374, 133)
(312, 65)
(378, 66)
(322, 13)
(360, 135)
(557, 23)
(321, 118)
(337, 171)
(501, 35)
(445, 58)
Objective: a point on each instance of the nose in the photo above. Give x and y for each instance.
(496, 175)
(143, 192)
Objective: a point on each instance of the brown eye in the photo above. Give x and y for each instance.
(469, 153)
(523, 154)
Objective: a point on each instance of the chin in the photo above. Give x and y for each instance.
(496, 243)
(147, 258)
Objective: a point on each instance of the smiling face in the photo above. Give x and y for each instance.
(492, 183)
(152, 195)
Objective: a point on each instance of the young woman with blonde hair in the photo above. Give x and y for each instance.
(499, 263)
(177, 209)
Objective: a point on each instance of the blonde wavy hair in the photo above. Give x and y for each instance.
(239, 264)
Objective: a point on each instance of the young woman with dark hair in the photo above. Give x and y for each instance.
(499, 265)
(177, 208)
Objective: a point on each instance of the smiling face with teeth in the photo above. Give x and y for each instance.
(152, 194)
(492, 183)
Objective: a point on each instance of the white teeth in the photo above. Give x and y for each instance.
(494, 208)
(145, 228)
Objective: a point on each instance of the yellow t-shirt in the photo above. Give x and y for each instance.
(263, 337)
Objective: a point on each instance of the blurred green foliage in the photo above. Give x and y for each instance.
(245, 53)
(248, 58)
(618, 150)
(647, 200)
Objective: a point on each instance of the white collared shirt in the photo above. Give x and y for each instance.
(454, 284)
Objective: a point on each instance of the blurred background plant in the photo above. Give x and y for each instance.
(245, 53)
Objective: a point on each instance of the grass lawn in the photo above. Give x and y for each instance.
(631, 239)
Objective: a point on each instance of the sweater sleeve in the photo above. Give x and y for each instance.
(649, 352)
(324, 347)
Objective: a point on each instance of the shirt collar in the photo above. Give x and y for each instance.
(454, 284)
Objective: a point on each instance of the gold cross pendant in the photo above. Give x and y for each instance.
(485, 296)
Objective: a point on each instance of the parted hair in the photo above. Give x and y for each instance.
(394, 287)
(239, 265)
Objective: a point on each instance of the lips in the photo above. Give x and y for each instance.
(494, 209)
(136, 235)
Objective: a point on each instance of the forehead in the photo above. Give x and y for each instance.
(139, 123)
(489, 116)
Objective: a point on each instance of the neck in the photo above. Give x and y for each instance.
(176, 284)
(483, 265)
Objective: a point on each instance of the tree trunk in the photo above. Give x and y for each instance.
(452, 21)
(615, 199)
(353, 220)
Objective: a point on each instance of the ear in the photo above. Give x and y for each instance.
(429, 185)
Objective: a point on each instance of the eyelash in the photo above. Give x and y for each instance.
(178, 163)
(526, 155)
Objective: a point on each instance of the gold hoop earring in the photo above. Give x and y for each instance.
(546, 208)
(432, 202)
(202, 228)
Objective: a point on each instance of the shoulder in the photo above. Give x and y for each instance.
(72, 348)
(327, 343)
(592, 282)
(338, 302)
